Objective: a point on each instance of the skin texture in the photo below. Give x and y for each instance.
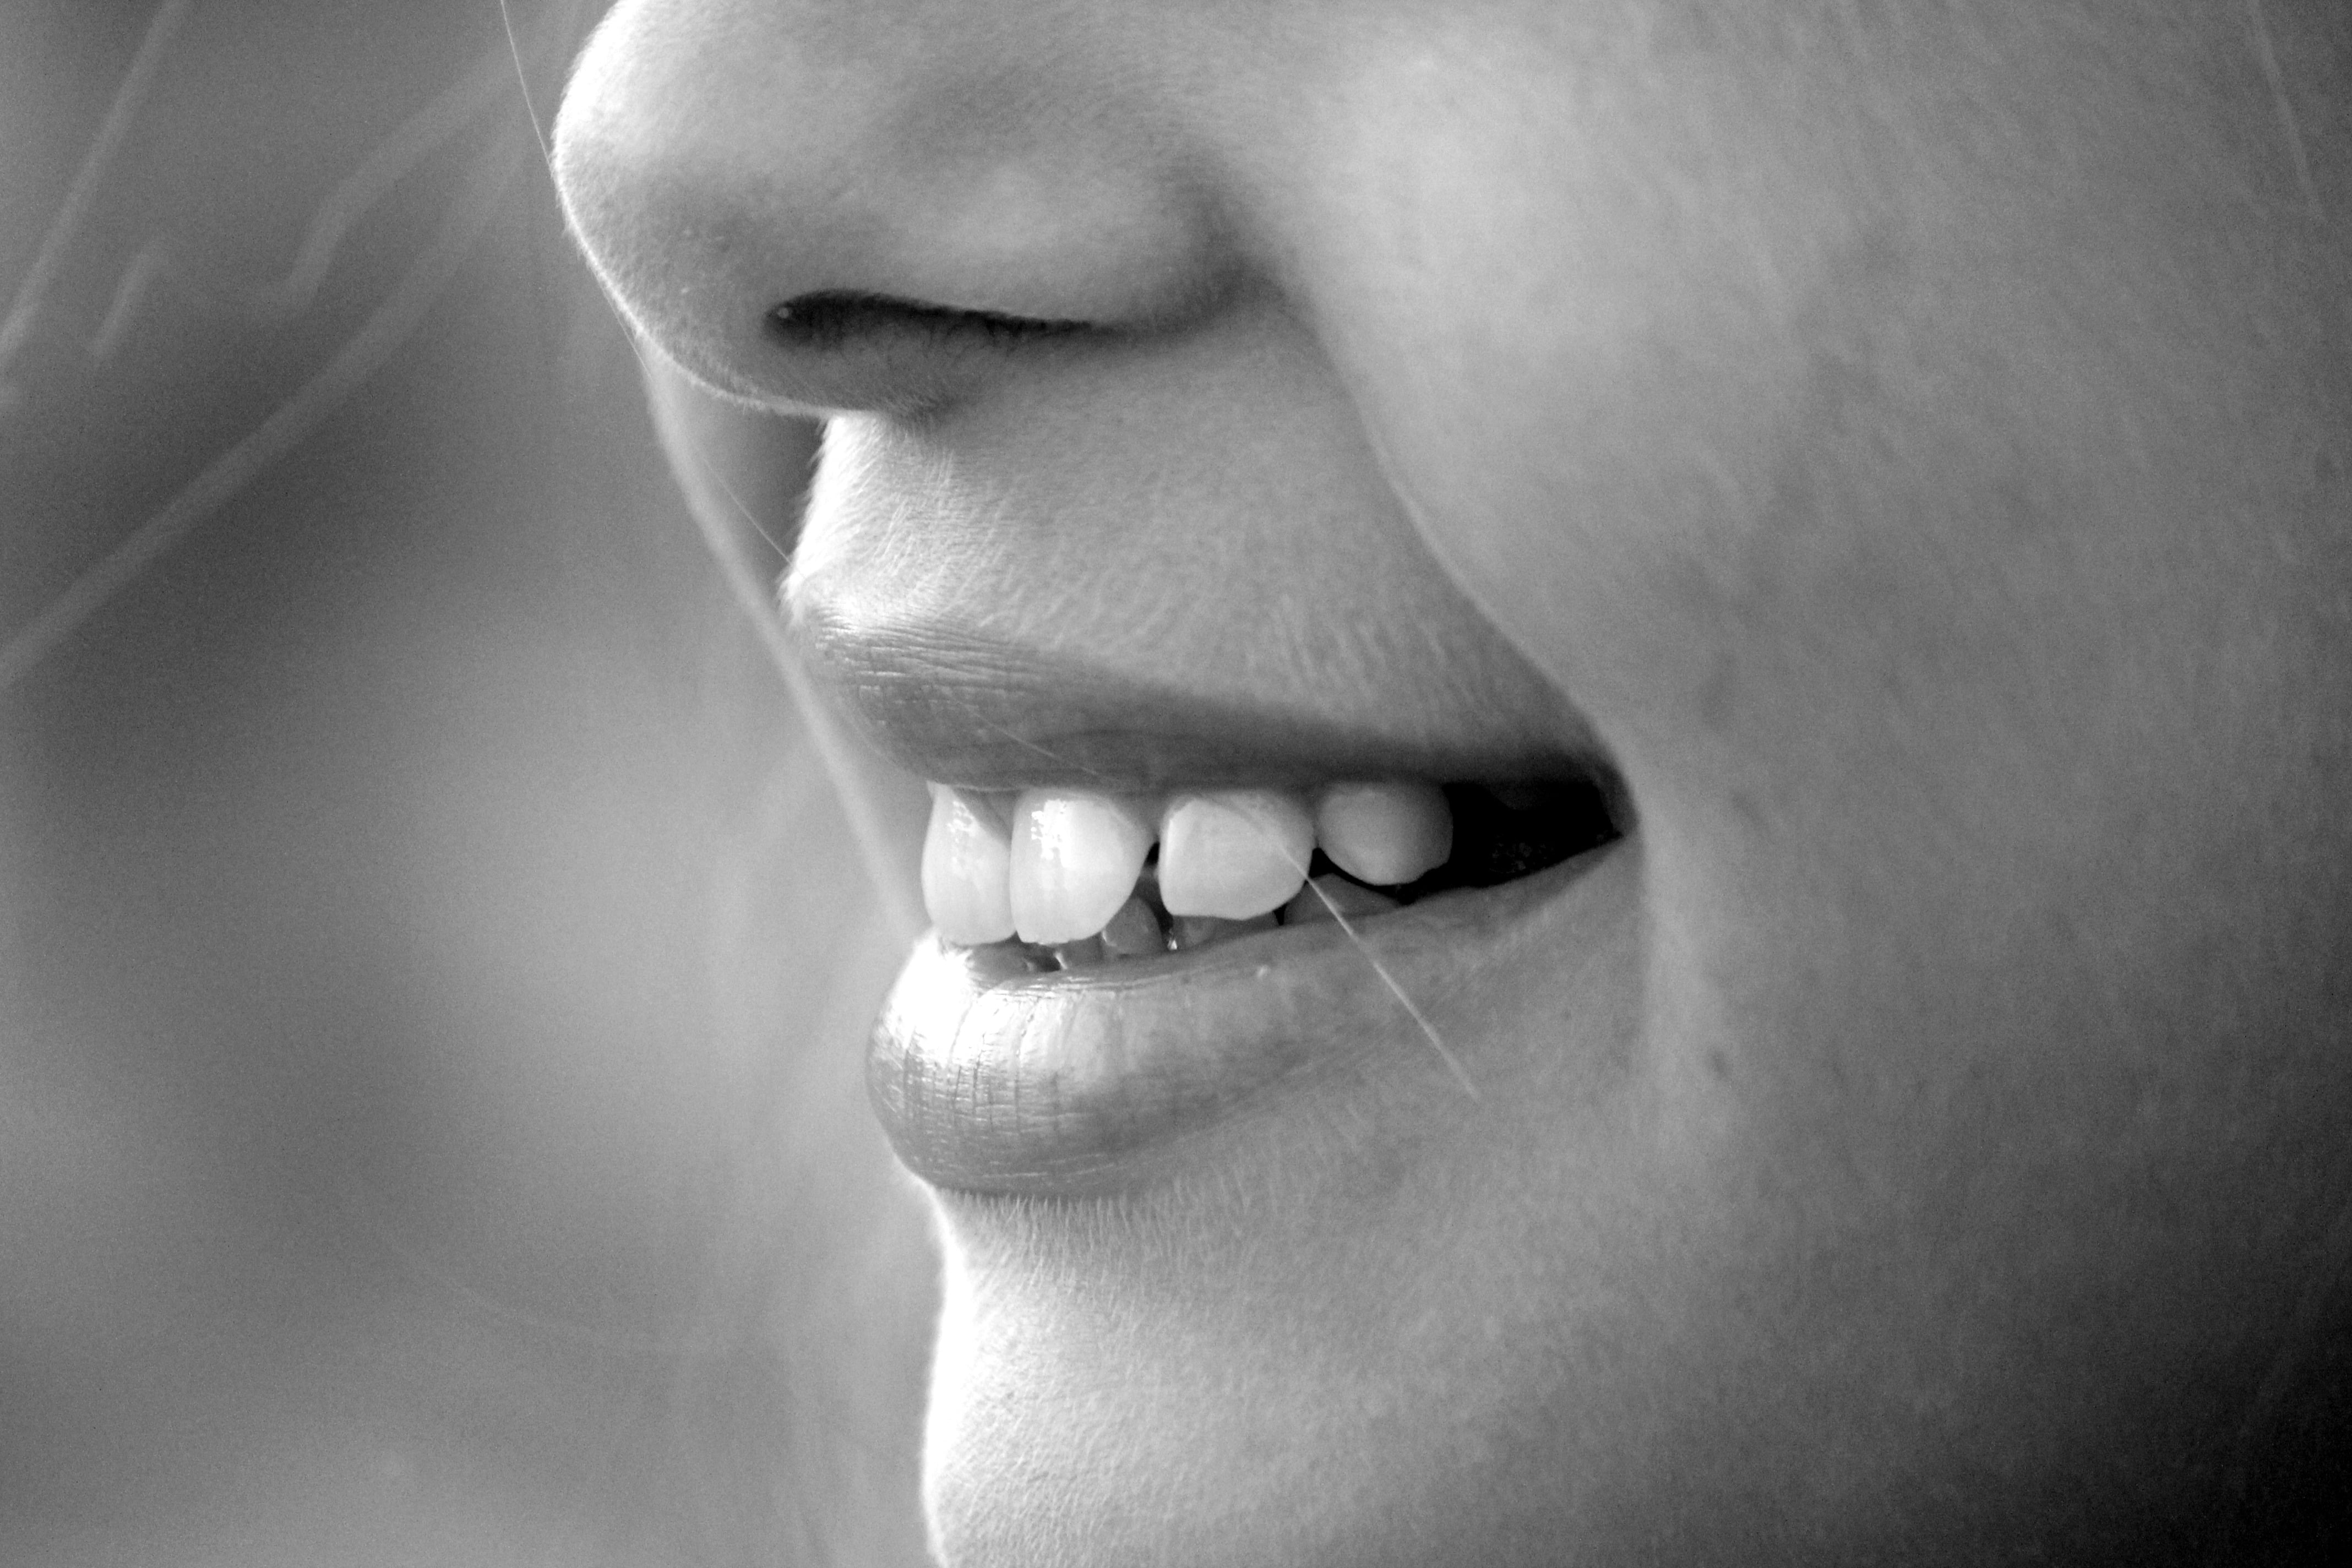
(1910, 442)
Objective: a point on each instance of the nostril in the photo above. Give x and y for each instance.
(834, 319)
(915, 197)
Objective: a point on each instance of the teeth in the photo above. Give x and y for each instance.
(967, 868)
(1234, 854)
(1064, 867)
(1075, 856)
(1328, 897)
(1384, 833)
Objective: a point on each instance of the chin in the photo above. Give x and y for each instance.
(1280, 1335)
(1068, 1426)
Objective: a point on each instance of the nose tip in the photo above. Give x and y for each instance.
(885, 172)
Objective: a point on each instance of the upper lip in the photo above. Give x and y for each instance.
(958, 708)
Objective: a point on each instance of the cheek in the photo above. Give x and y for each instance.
(1888, 520)
(1576, 338)
(1822, 492)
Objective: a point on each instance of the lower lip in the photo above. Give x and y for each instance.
(991, 1079)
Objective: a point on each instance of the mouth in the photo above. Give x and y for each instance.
(1113, 974)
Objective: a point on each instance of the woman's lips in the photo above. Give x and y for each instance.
(991, 1077)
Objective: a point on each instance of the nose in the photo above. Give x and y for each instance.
(846, 205)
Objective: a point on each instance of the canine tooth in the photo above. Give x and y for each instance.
(1234, 853)
(967, 868)
(1075, 855)
(1327, 897)
(1134, 932)
(1388, 832)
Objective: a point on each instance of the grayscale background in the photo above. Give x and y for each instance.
(430, 967)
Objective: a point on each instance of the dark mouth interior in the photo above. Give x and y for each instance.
(1502, 832)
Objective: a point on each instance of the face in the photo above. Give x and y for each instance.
(1896, 459)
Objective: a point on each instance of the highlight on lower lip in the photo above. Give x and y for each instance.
(989, 1078)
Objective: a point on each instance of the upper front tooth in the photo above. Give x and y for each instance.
(1233, 853)
(1075, 856)
(967, 864)
(1384, 833)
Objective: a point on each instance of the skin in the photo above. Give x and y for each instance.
(1911, 444)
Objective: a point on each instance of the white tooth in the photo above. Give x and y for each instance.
(1328, 897)
(967, 868)
(1233, 853)
(1076, 855)
(1384, 833)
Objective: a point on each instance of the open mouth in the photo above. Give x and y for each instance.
(1073, 878)
(1111, 972)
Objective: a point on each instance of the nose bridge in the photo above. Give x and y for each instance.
(718, 158)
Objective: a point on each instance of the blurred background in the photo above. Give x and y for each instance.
(433, 963)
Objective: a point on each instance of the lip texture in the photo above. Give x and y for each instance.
(967, 710)
(990, 1078)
